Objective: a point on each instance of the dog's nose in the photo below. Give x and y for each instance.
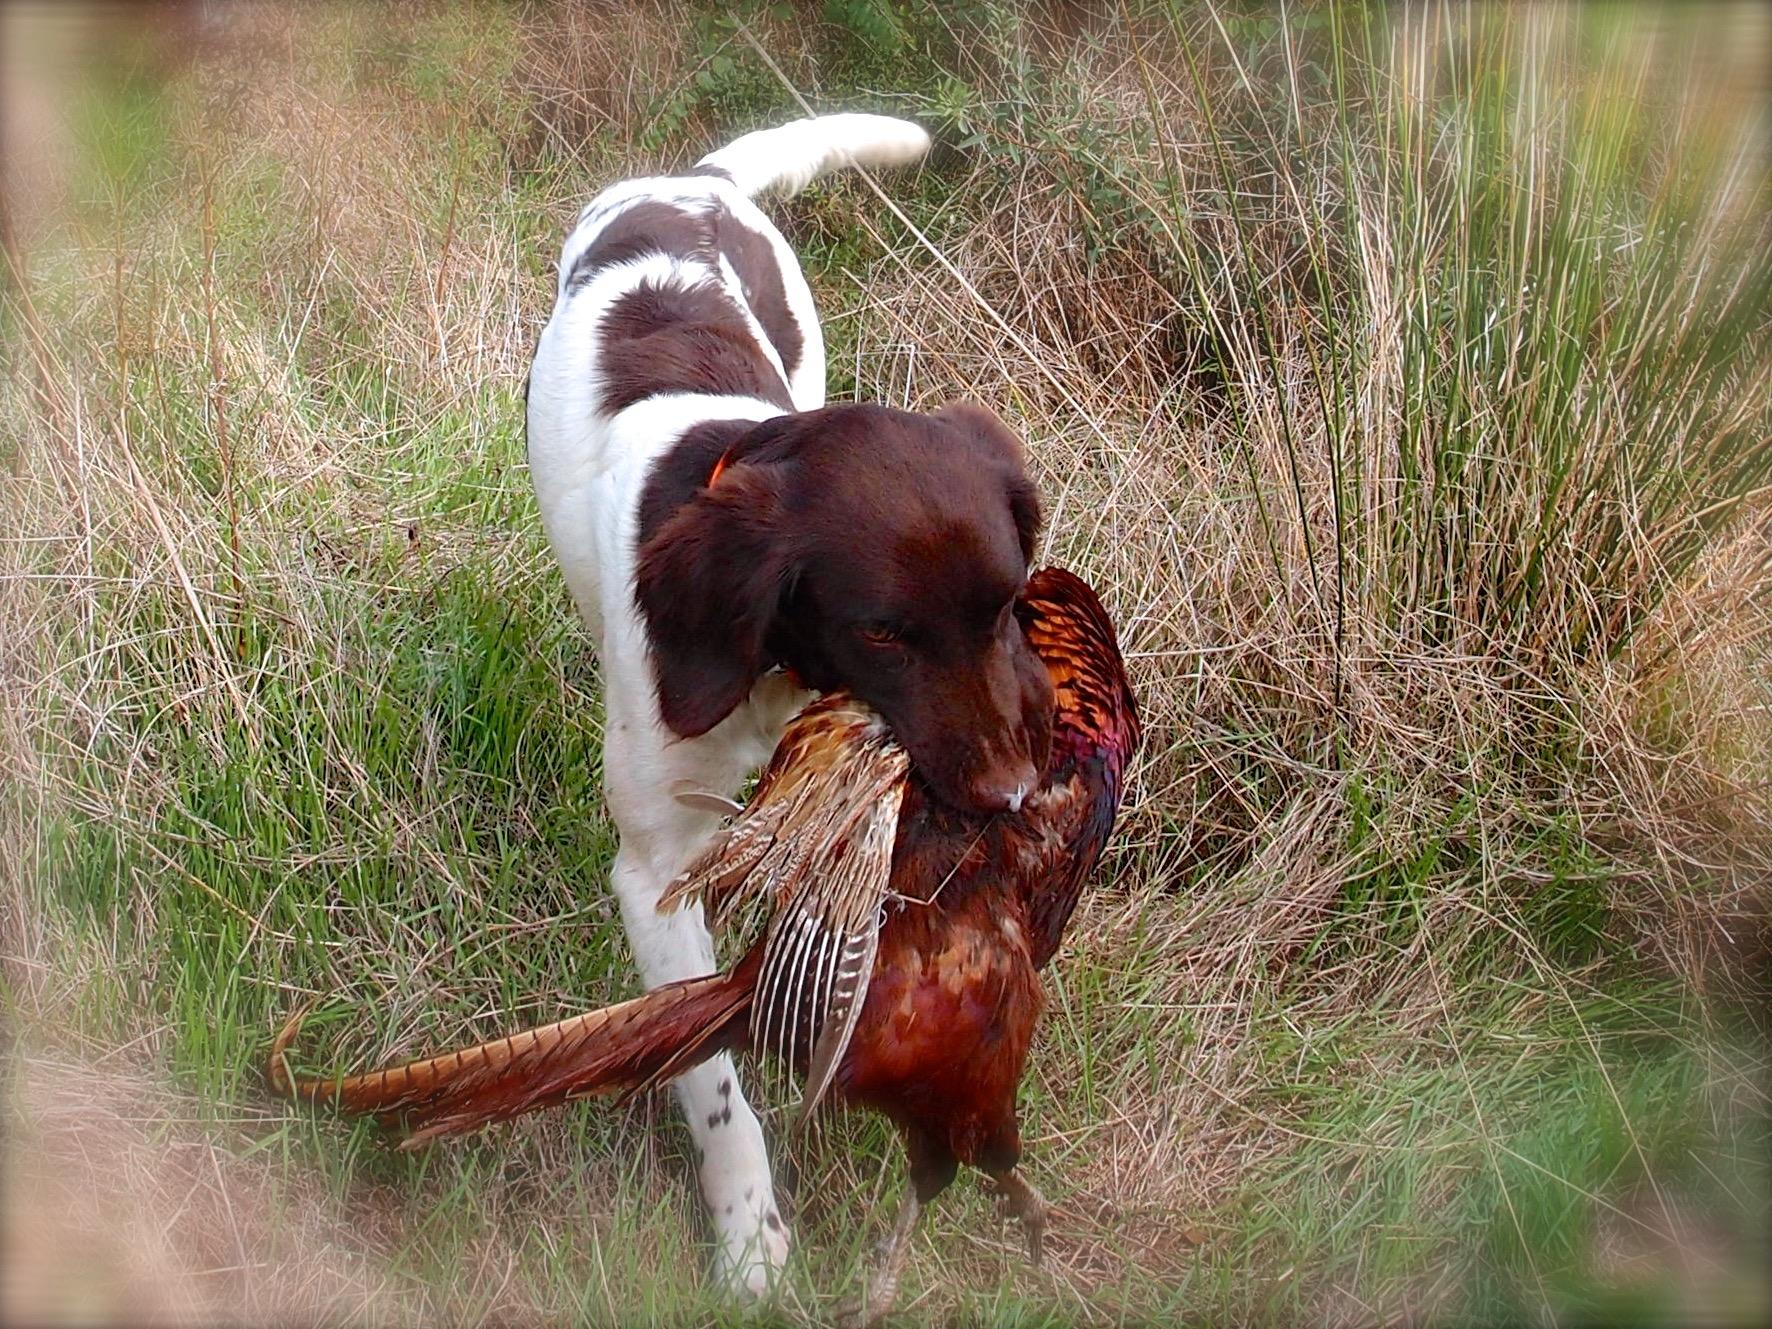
(1005, 791)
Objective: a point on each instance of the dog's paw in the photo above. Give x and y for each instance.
(751, 1247)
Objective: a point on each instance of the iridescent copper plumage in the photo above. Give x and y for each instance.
(898, 960)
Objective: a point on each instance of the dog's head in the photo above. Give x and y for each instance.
(872, 550)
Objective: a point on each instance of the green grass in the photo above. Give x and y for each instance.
(1401, 379)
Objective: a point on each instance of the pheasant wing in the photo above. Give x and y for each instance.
(815, 767)
(815, 844)
(819, 949)
(829, 769)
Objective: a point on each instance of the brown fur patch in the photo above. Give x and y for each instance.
(707, 232)
(659, 339)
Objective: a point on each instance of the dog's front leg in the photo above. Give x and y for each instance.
(658, 836)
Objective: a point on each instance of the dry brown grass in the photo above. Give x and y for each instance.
(121, 1205)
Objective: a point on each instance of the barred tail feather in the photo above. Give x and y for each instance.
(626, 1047)
(789, 157)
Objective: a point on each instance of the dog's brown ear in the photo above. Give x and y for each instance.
(710, 582)
(981, 422)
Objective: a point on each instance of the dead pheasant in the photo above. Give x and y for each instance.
(899, 960)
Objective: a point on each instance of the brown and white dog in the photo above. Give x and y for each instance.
(732, 542)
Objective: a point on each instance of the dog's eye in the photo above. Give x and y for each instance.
(878, 634)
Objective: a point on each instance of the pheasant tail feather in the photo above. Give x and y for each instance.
(624, 1047)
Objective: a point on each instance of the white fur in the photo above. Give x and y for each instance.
(589, 470)
(789, 158)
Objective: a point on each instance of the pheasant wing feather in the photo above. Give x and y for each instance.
(815, 844)
(822, 766)
(852, 938)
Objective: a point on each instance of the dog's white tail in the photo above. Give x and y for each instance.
(789, 158)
